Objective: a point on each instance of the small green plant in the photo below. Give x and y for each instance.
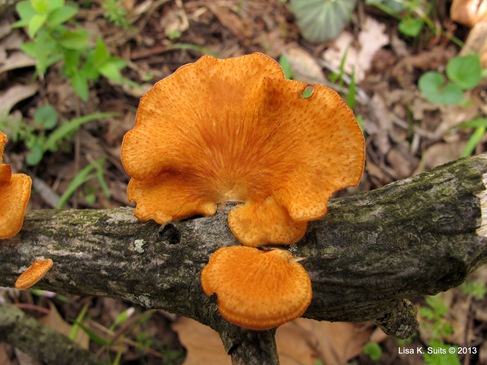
(412, 14)
(286, 67)
(480, 125)
(476, 289)
(373, 350)
(46, 132)
(434, 314)
(340, 78)
(463, 72)
(115, 13)
(82, 177)
(46, 22)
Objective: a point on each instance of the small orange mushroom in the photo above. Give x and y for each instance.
(33, 274)
(257, 289)
(14, 196)
(235, 129)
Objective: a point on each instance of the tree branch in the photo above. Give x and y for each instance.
(38, 340)
(417, 236)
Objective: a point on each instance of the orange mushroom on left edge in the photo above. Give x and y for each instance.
(14, 196)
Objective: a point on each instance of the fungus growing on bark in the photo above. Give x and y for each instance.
(33, 274)
(14, 196)
(257, 289)
(235, 129)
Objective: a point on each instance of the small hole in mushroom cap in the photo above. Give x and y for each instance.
(170, 234)
(307, 92)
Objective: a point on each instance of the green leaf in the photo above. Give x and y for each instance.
(443, 358)
(80, 85)
(320, 20)
(432, 85)
(35, 155)
(373, 350)
(352, 91)
(90, 71)
(473, 141)
(55, 4)
(465, 71)
(390, 7)
(111, 71)
(71, 61)
(35, 23)
(101, 178)
(474, 123)
(79, 319)
(122, 318)
(74, 40)
(286, 67)
(61, 15)
(40, 6)
(69, 127)
(29, 49)
(26, 11)
(93, 336)
(411, 26)
(46, 116)
(101, 54)
(82, 177)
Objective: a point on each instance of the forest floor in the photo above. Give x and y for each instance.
(372, 63)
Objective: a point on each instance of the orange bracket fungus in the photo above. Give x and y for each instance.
(14, 196)
(257, 289)
(235, 129)
(33, 274)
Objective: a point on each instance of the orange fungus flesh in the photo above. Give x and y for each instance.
(14, 196)
(33, 274)
(235, 129)
(257, 289)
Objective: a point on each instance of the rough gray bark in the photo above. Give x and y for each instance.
(418, 236)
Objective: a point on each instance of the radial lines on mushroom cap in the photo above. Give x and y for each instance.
(236, 130)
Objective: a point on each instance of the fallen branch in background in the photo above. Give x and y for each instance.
(371, 252)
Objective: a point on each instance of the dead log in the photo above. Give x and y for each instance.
(371, 252)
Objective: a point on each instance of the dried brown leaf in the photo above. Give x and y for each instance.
(203, 344)
(55, 321)
(439, 154)
(304, 66)
(302, 341)
(16, 94)
(372, 37)
(17, 60)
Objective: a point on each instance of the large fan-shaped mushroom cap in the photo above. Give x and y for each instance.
(235, 129)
